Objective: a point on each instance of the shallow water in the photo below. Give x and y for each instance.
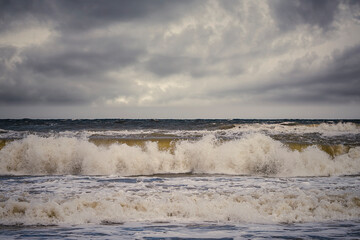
(201, 206)
(330, 230)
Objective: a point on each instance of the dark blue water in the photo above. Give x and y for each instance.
(58, 125)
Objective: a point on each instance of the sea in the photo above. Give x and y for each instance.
(179, 179)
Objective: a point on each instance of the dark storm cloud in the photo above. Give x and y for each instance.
(164, 66)
(84, 57)
(338, 83)
(74, 65)
(71, 68)
(289, 14)
(27, 88)
(14, 10)
(30, 94)
(82, 15)
(6, 53)
(65, 73)
(24, 86)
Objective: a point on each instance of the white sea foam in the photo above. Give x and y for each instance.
(235, 130)
(231, 131)
(326, 129)
(121, 206)
(254, 154)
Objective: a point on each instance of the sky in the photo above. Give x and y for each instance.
(180, 59)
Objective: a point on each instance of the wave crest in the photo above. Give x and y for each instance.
(254, 154)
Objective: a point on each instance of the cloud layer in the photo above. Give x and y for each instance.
(179, 53)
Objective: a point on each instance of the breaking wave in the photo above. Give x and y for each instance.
(262, 207)
(255, 154)
(325, 129)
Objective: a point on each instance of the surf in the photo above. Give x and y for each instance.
(253, 154)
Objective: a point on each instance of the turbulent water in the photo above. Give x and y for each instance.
(156, 179)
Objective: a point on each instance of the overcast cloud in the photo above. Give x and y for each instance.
(158, 58)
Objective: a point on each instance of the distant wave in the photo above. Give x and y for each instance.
(254, 154)
(327, 129)
(223, 130)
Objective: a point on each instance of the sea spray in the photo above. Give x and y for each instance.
(254, 154)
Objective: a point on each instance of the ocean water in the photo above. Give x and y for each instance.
(179, 179)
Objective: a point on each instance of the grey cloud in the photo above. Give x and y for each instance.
(72, 67)
(27, 88)
(88, 57)
(168, 65)
(82, 15)
(338, 83)
(196, 67)
(74, 72)
(25, 95)
(6, 54)
(289, 14)
(342, 78)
